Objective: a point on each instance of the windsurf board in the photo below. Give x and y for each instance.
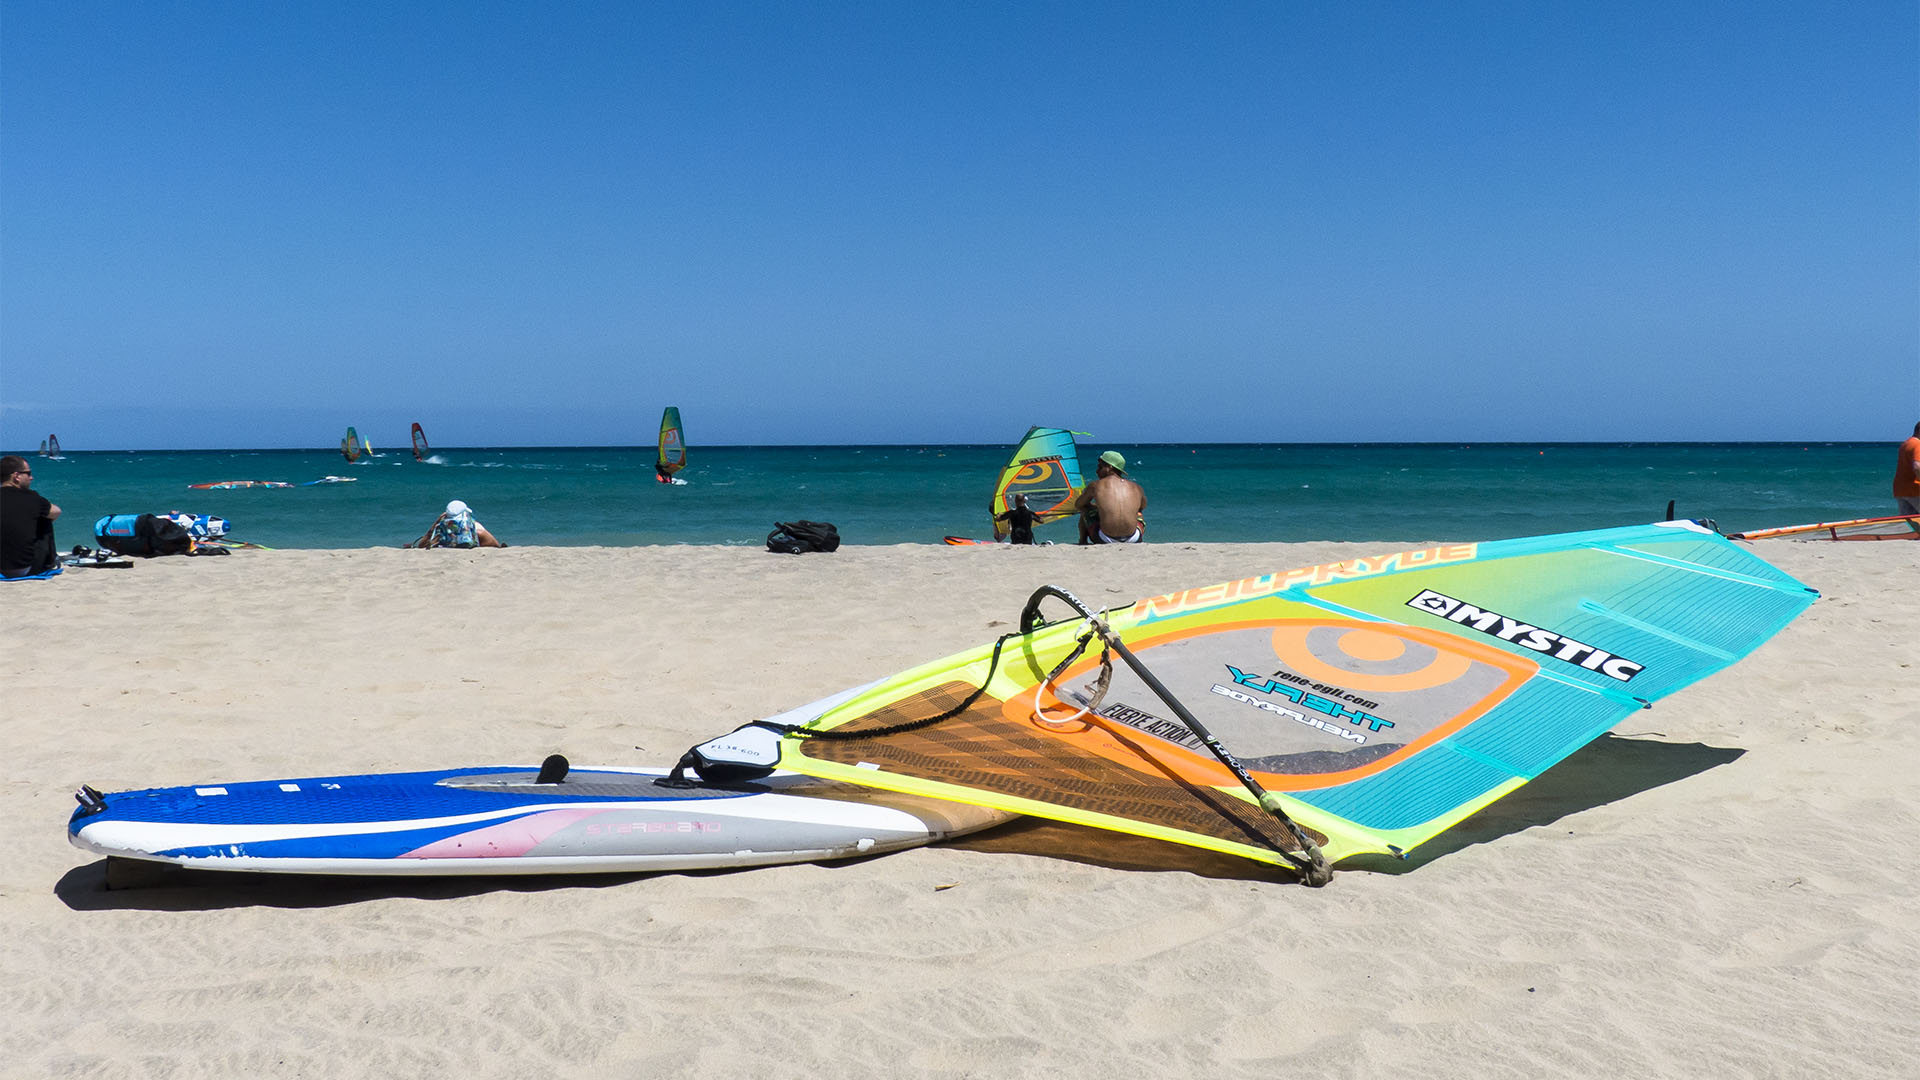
(506, 820)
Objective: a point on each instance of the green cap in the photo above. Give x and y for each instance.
(1113, 459)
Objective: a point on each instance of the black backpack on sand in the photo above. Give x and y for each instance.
(800, 537)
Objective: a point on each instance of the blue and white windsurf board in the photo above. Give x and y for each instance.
(502, 820)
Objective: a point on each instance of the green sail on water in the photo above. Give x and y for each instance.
(673, 444)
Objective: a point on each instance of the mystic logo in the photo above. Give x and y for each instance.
(1526, 635)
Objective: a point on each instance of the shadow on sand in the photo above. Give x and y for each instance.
(1606, 770)
(132, 885)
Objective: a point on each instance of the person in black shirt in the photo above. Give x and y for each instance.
(26, 522)
(1021, 520)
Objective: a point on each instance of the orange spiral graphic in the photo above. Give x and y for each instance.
(1366, 645)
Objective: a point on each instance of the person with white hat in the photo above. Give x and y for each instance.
(457, 528)
(1113, 509)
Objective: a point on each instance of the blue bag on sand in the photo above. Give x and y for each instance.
(145, 535)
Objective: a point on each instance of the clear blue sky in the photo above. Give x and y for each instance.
(252, 224)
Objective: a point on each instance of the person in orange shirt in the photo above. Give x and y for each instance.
(1906, 475)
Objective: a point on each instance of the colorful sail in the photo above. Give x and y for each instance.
(1045, 467)
(673, 445)
(420, 447)
(352, 448)
(1882, 528)
(1376, 701)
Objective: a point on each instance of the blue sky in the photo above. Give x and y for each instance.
(522, 224)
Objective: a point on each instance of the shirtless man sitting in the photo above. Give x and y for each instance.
(1113, 509)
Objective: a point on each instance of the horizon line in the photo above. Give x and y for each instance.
(403, 449)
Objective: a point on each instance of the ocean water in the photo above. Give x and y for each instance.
(918, 494)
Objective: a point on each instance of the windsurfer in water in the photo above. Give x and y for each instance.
(1113, 509)
(456, 528)
(1906, 475)
(1019, 520)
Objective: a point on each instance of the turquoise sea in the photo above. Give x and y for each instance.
(918, 494)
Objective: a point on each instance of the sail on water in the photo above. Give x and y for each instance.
(672, 455)
(352, 448)
(1304, 717)
(1045, 467)
(420, 447)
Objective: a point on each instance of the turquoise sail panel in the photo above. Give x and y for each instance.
(1672, 604)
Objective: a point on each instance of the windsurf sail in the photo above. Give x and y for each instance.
(50, 448)
(420, 447)
(1045, 467)
(1308, 716)
(352, 448)
(1883, 528)
(673, 445)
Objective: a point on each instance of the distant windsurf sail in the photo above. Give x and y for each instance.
(1356, 707)
(673, 445)
(1883, 528)
(352, 448)
(1045, 467)
(420, 447)
(50, 448)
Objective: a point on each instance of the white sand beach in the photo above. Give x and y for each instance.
(1727, 886)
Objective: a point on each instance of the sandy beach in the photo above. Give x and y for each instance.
(1725, 886)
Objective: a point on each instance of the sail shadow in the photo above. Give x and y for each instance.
(1606, 770)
